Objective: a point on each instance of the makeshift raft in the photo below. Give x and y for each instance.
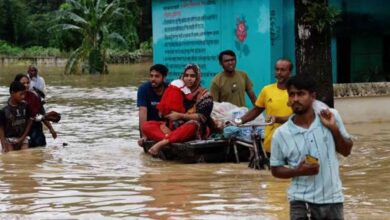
(202, 151)
(215, 151)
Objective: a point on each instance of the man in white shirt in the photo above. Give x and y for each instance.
(36, 82)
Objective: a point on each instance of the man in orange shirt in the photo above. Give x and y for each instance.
(273, 99)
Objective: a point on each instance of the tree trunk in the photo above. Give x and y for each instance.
(313, 52)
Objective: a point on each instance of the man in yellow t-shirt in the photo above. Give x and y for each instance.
(231, 84)
(273, 99)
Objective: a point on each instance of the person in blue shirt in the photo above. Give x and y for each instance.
(149, 95)
(305, 149)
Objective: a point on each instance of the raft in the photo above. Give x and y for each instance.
(215, 151)
(203, 151)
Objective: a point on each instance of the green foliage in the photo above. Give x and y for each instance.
(124, 56)
(12, 21)
(146, 45)
(25, 22)
(26, 26)
(92, 19)
(126, 25)
(322, 16)
(34, 51)
(7, 49)
(38, 51)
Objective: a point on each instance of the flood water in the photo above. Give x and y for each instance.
(103, 174)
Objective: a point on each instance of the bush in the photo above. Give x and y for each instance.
(8, 50)
(38, 51)
(34, 51)
(146, 45)
(122, 56)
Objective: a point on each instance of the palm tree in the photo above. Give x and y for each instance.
(92, 19)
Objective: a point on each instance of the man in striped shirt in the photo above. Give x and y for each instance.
(315, 191)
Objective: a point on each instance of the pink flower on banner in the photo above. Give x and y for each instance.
(241, 30)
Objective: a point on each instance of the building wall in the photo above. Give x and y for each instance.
(197, 31)
(282, 31)
(364, 109)
(364, 27)
(363, 102)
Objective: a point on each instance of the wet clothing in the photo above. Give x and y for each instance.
(37, 137)
(274, 101)
(231, 89)
(147, 97)
(34, 103)
(185, 130)
(16, 146)
(302, 210)
(200, 104)
(291, 143)
(14, 119)
(173, 98)
(35, 106)
(38, 83)
(184, 133)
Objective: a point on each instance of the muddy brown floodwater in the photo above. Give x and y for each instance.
(103, 174)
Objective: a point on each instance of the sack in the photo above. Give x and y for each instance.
(226, 111)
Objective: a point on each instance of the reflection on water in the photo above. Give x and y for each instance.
(103, 174)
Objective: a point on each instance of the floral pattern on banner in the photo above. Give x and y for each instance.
(241, 33)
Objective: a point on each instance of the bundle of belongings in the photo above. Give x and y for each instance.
(227, 112)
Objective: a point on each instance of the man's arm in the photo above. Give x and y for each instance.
(252, 96)
(249, 89)
(278, 158)
(343, 145)
(280, 119)
(142, 115)
(4, 147)
(43, 86)
(251, 114)
(142, 101)
(51, 129)
(173, 116)
(2, 139)
(302, 170)
(214, 91)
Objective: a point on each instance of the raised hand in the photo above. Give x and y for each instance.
(328, 119)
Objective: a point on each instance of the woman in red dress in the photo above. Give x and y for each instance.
(196, 122)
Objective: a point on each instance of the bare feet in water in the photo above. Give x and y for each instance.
(157, 147)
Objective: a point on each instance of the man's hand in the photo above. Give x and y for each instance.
(305, 169)
(18, 141)
(270, 119)
(141, 141)
(343, 145)
(328, 119)
(4, 147)
(237, 121)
